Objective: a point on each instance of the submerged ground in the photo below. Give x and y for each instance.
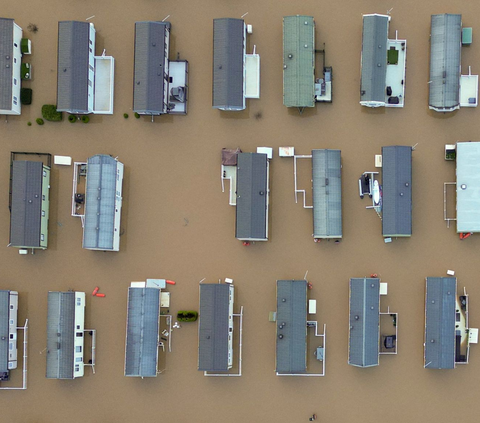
(177, 224)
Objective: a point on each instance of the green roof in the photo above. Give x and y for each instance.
(298, 61)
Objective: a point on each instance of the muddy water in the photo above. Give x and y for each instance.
(178, 225)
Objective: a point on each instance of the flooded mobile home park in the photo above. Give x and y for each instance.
(177, 225)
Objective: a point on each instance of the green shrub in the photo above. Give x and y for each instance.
(187, 316)
(125, 115)
(26, 96)
(85, 119)
(137, 116)
(40, 121)
(72, 118)
(29, 123)
(49, 112)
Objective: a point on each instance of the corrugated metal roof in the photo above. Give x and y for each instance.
(374, 58)
(26, 213)
(72, 70)
(440, 302)
(364, 333)
(98, 231)
(445, 56)
(298, 61)
(60, 335)
(141, 351)
(4, 339)
(397, 190)
(291, 349)
(327, 193)
(6, 63)
(149, 95)
(228, 56)
(213, 327)
(251, 209)
(468, 186)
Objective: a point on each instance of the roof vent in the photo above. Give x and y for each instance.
(7, 57)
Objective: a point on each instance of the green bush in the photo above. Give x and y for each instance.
(85, 119)
(40, 121)
(187, 316)
(29, 123)
(49, 112)
(125, 115)
(26, 96)
(72, 118)
(137, 116)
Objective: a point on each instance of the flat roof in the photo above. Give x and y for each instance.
(468, 186)
(26, 212)
(6, 65)
(4, 330)
(141, 349)
(327, 193)
(228, 63)
(149, 67)
(100, 202)
(364, 330)
(60, 335)
(397, 190)
(298, 61)
(374, 58)
(291, 340)
(72, 66)
(213, 327)
(445, 60)
(440, 302)
(252, 192)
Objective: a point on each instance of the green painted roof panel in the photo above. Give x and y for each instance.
(298, 61)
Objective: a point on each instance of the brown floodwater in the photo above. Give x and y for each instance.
(178, 225)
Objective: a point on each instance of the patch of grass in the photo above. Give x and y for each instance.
(49, 112)
(125, 115)
(72, 118)
(40, 121)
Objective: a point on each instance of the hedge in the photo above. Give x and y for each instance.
(26, 96)
(187, 316)
(49, 112)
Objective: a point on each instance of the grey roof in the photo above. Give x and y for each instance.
(141, 351)
(440, 302)
(445, 54)
(252, 182)
(60, 335)
(397, 190)
(468, 177)
(213, 327)
(374, 58)
(291, 349)
(6, 73)
(298, 61)
(364, 332)
(149, 96)
(4, 332)
(327, 193)
(228, 57)
(72, 69)
(26, 213)
(98, 231)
